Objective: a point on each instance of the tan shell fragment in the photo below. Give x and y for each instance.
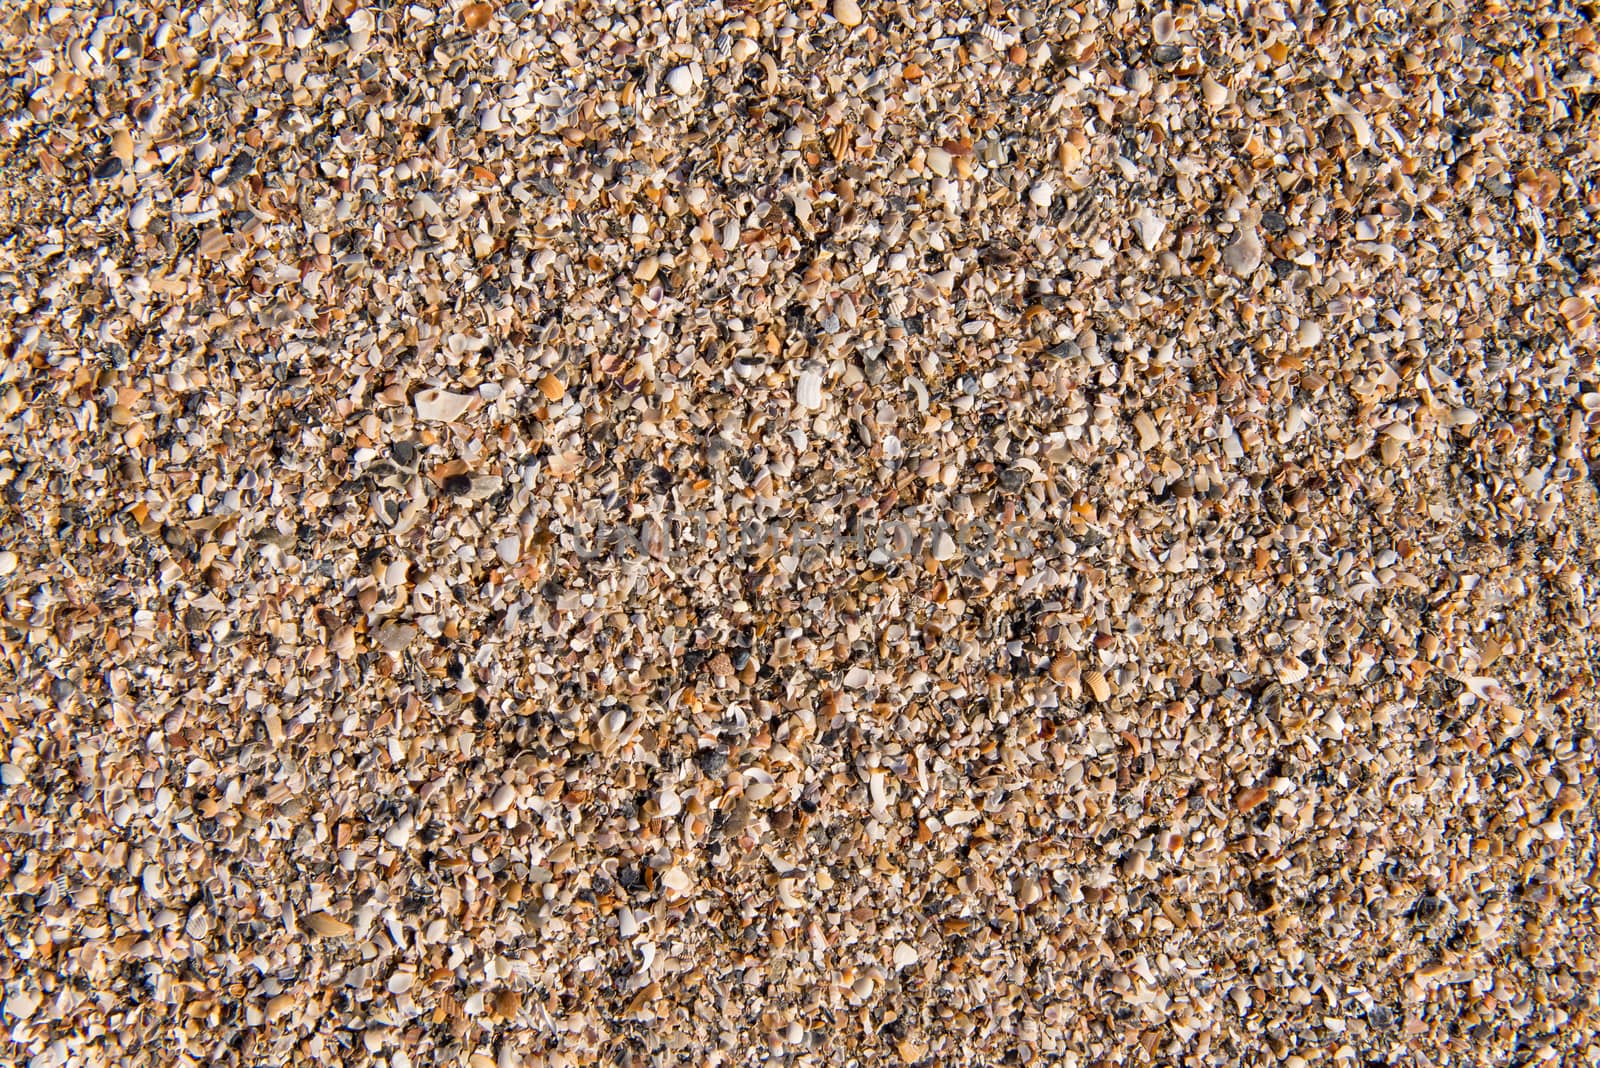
(838, 140)
(552, 388)
(1149, 438)
(280, 1006)
(1567, 800)
(1577, 313)
(122, 147)
(1245, 800)
(328, 926)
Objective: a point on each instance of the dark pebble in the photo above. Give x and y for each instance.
(711, 761)
(243, 163)
(1012, 479)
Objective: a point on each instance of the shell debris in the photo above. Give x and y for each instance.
(819, 533)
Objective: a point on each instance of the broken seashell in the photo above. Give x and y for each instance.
(439, 406)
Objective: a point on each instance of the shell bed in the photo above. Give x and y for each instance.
(823, 533)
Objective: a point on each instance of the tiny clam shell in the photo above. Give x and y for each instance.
(808, 390)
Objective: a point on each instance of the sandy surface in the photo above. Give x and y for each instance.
(809, 534)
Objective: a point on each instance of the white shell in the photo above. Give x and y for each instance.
(1150, 227)
(438, 406)
(669, 804)
(808, 391)
(394, 637)
(1243, 254)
